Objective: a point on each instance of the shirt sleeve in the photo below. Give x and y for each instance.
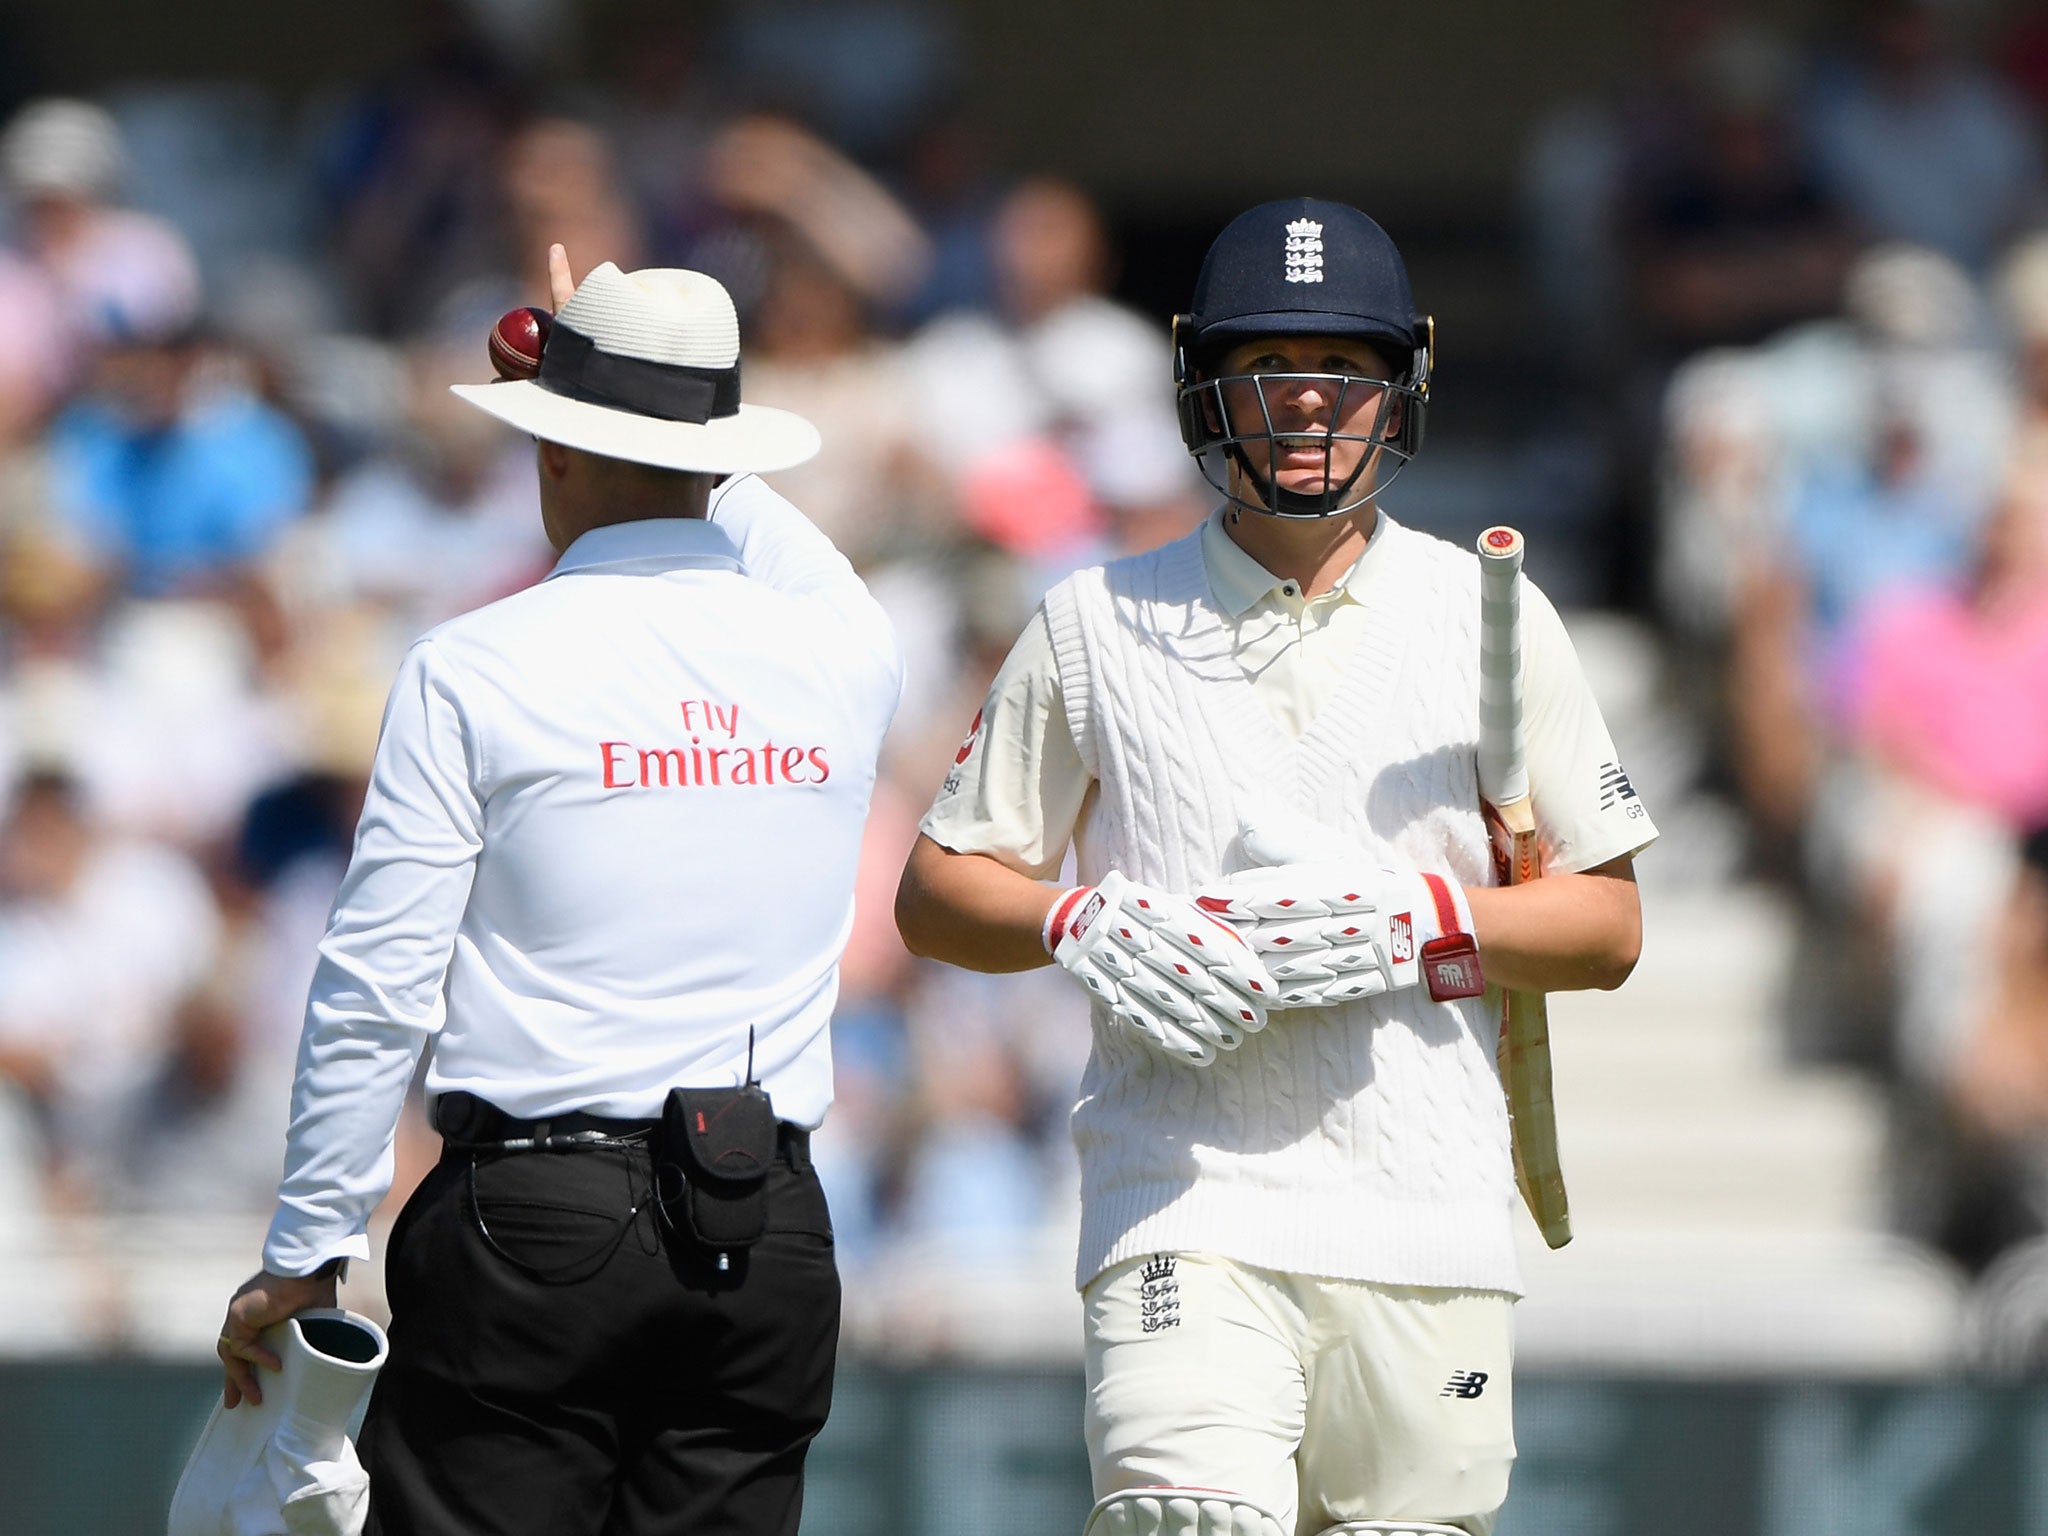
(377, 988)
(1017, 787)
(781, 548)
(1587, 812)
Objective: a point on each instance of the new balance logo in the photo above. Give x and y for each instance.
(1086, 920)
(1614, 785)
(1401, 937)
(1464, 1384)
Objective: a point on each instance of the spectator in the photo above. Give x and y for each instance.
(1041, 410)
(443, 521)
(160, 714)
(37, 364)
(975, 1191)
(665, 110)
(118, 273)
(1731, 236)
(812, 350)
(1807, 476)
(1097, 362)
(171, 469)
(401, 164)
(2023, 290)
(1864, 523)
(1675, 154)
(208, 1127)
(767, 169)
(954, 190)
(53, 587)
(1948, 683)
(858, 1145)
(560, 183)
(1947, 723)
(1915, 144)
(101, 942)
(866, 72)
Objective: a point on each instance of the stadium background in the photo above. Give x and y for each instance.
(1743, 318)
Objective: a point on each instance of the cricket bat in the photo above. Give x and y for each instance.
(1511, 824)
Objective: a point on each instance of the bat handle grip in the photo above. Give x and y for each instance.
(1503, 766)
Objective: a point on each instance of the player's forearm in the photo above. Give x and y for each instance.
(1563, 933)
(969, 910)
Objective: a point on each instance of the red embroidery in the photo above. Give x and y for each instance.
(622, 765)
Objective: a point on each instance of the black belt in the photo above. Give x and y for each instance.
(464, 1120)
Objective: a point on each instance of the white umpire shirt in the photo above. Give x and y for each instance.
(610, 833)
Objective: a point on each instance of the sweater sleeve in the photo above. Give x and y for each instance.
(1017, 785)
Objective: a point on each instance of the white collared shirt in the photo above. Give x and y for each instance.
(1018, 788)
(610, 834)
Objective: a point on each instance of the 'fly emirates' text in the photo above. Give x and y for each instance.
(698, 766)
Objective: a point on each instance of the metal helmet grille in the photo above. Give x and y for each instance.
(1219, 436)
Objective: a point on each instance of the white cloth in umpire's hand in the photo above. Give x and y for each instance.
(285, 1467)
(1332, 924)
(1178, 979)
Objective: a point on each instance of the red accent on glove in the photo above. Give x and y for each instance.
(1061, 913)
(1450, 963)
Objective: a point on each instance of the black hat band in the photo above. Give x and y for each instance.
(573, 367)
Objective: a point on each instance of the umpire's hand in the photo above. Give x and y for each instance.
(264, 1299)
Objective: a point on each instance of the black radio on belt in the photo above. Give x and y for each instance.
(712, 1155)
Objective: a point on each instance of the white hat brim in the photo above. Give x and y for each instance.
(759, 437)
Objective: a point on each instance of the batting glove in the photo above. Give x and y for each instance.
(1182, 982)
(1335, 932)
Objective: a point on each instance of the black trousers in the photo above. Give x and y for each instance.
(560, 1367)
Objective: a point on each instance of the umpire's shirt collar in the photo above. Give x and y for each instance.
(1239, 583)
(651, 544)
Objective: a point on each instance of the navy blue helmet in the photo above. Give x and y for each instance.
(1301, 267)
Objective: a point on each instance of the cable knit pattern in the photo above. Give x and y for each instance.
(1363, 1141)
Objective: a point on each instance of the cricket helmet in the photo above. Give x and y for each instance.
(1300, 267)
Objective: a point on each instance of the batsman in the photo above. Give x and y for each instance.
(1263, 742)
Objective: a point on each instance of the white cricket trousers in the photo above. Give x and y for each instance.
(1323, 1400)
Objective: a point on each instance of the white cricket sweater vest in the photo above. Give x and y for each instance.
(1364, 1141)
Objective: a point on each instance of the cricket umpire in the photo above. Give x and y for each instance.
(1297, 1253)
(603, 878)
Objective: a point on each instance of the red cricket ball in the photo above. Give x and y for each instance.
(517, 340)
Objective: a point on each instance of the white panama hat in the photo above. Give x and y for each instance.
(645, 366)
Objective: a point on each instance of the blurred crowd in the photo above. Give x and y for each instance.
(1800, 281)
(234, 487)
(1828, 369)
